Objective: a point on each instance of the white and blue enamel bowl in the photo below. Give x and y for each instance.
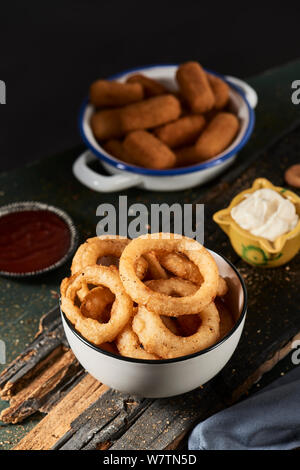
(243, 100)
(166, 377)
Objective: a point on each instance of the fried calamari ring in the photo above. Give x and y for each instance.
(95, 302)
(97, 247)
(174, 286)
(110, 347)
(171, 324)
(121, 311)
(158, 339)
(65, 283)
(184, 325)
(222, 287)
(161, 303)
(182, 267)
(155, 269)
(129, 345)
(188, 324)
(128, 342)
(83, 292)
(68, 281)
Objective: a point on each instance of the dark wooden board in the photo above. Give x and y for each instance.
(118, 421)
(49, 338)
(264, 341)
(42, 374)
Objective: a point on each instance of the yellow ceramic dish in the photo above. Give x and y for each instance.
(257, 250)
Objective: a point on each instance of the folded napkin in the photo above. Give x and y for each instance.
(268, 420)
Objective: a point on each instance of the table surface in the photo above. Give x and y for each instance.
(22, 302)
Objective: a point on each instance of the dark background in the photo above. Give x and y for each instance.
(52, 51)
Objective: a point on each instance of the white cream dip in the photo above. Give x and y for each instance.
(265, 213)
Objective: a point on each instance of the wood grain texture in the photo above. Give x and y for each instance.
(273, 313)
(51, 428)
(268, 330)
(169, 419)
(47, 345)
(104, 421)
(36, 395)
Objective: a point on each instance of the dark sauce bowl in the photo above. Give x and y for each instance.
(32, 206)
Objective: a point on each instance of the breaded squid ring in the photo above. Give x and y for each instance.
(129, 345)
(160, 303)
(155, 269)
(181, 267)
(97, 247)
(180, 287)
(222, 287)
(172, 286)
(188, 324)
(156, 337)
(121, 312)
(94, 303)
(94, 248)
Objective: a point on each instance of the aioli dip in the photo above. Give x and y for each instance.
(265, 213)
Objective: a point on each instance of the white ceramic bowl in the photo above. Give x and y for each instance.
(167, 377)
(243, 100)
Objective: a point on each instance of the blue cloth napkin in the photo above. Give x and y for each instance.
(268, 420)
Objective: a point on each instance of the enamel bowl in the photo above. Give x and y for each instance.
(243, 100)
(166, 377)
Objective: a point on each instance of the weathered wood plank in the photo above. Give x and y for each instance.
(263, 369)
(57, 423)
(36, 395)
(270, 325)
(268, 329)
(273, 313)
(273, 319)
(166, 419)
(47, 344)
(169, 432)
(103, 421)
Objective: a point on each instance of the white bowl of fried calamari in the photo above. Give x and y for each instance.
(155, 316)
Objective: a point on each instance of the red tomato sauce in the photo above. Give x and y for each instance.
(32, 240)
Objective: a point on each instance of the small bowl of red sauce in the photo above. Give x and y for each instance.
(35, 238)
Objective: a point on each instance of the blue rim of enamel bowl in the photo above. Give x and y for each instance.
(175, 171)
